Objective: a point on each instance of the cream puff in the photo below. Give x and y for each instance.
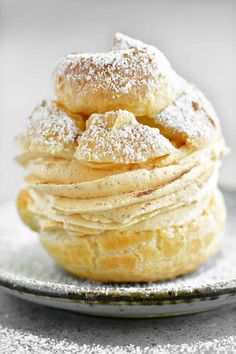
(123, 168)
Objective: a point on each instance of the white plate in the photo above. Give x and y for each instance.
(28, 272)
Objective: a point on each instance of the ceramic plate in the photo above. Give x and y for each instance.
(28, 272)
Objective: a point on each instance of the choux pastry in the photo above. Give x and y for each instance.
(123, 168)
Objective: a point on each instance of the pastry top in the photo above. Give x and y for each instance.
(118, 113)
(51, 129)
(189, 119)
(117, 137)
(123, 42)
(136, 107)
(138, 78)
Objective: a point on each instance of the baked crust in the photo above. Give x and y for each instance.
(137, 79)
(136, 256)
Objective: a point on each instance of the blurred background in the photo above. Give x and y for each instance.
(197, 36)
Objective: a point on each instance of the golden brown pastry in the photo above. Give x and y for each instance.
(138, 78)
(123, 168)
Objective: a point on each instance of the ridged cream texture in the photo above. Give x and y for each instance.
(89, 199)
(128, 170)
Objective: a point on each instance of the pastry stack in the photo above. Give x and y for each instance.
(123, 167)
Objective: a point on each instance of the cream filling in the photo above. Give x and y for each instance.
(126, 182)
(168, 200)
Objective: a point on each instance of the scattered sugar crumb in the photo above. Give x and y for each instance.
(24, 342)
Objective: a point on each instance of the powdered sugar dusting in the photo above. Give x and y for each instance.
(24, 342)
(119, 72)
(123, 42)
(116, 136)
(49, 126)
(190, 115)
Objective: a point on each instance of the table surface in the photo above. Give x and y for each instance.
(31, 328)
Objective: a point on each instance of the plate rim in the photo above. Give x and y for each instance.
(115, 296)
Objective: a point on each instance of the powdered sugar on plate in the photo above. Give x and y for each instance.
(24, 262)
(24, 342)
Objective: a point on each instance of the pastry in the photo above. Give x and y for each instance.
(123, 168)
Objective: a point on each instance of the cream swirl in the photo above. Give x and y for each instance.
(140, 199)
(114, 170)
